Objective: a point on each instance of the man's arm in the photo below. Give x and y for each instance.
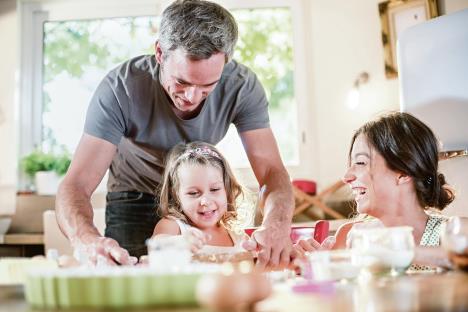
(73, 206)
(273, 238)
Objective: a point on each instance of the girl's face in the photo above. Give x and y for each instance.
(373, 184)
(202, 194)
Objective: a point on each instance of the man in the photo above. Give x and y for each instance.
(189, 90)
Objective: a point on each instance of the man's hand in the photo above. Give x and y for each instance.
(276, 199)
(273, 245)
(91, 160)
(101, 251)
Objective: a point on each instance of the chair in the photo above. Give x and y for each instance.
(306, 196)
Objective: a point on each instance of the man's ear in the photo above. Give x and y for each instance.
(158, 53)
(403, 179)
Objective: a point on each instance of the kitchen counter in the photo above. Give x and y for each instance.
(22, 239)
(21, 245)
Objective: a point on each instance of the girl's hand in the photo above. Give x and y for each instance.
(196, 238)
(306, 245)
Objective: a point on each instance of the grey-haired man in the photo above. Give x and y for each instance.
(190, 90)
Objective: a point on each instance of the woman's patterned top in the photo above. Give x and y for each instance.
(430, 237)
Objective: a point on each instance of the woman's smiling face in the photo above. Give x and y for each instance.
(373, 184)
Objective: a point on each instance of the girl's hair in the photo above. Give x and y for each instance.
(410, 147)
(196, 153)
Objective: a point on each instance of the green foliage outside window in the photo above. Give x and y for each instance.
(77, 47)
(40, 161)
(265, 45)
(68, 47)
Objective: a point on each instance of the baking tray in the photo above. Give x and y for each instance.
(109, 288)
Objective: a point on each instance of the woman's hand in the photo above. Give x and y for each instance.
(434, 256)
(306, 245)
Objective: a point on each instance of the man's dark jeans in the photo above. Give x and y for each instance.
(130, 219)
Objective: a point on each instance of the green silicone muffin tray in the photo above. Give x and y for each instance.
(13, 271)
(109, 288)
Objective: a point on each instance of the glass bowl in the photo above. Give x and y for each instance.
(454, 239)
(384, 249)
(330, 265)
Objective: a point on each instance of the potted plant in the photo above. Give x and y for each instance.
(46, 169)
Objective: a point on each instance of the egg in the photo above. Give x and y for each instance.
(232, 290)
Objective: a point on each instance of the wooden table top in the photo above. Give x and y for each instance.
(418, 292)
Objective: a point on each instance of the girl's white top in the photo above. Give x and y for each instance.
(237, 238)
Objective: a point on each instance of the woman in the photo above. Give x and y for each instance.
(393, 173)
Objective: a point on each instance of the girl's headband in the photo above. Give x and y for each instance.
(201, 151)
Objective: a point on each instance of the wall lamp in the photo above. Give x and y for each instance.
(354, 94)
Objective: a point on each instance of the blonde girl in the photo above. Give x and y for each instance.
(198, 197)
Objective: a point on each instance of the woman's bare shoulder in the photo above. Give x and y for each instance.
(361, 222)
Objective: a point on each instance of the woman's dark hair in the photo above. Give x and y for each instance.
(410, 147)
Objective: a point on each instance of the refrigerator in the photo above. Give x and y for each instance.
(432, 62)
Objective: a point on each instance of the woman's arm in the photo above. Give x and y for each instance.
(431, 256)
(338, 241)
(341, 235)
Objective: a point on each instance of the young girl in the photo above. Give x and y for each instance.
(393, 173)
(198, 197)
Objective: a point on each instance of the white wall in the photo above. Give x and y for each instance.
(9, 57)
(450, 6)
(344, 40)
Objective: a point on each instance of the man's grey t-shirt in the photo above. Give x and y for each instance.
(131, 110)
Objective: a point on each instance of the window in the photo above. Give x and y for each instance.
(79, 46)
(266, 46)
(77, 55)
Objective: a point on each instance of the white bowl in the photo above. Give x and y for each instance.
(385, 248)
(331, 265)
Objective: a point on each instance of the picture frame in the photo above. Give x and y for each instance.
(395, 17)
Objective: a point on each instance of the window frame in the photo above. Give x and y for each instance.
(34, 13)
